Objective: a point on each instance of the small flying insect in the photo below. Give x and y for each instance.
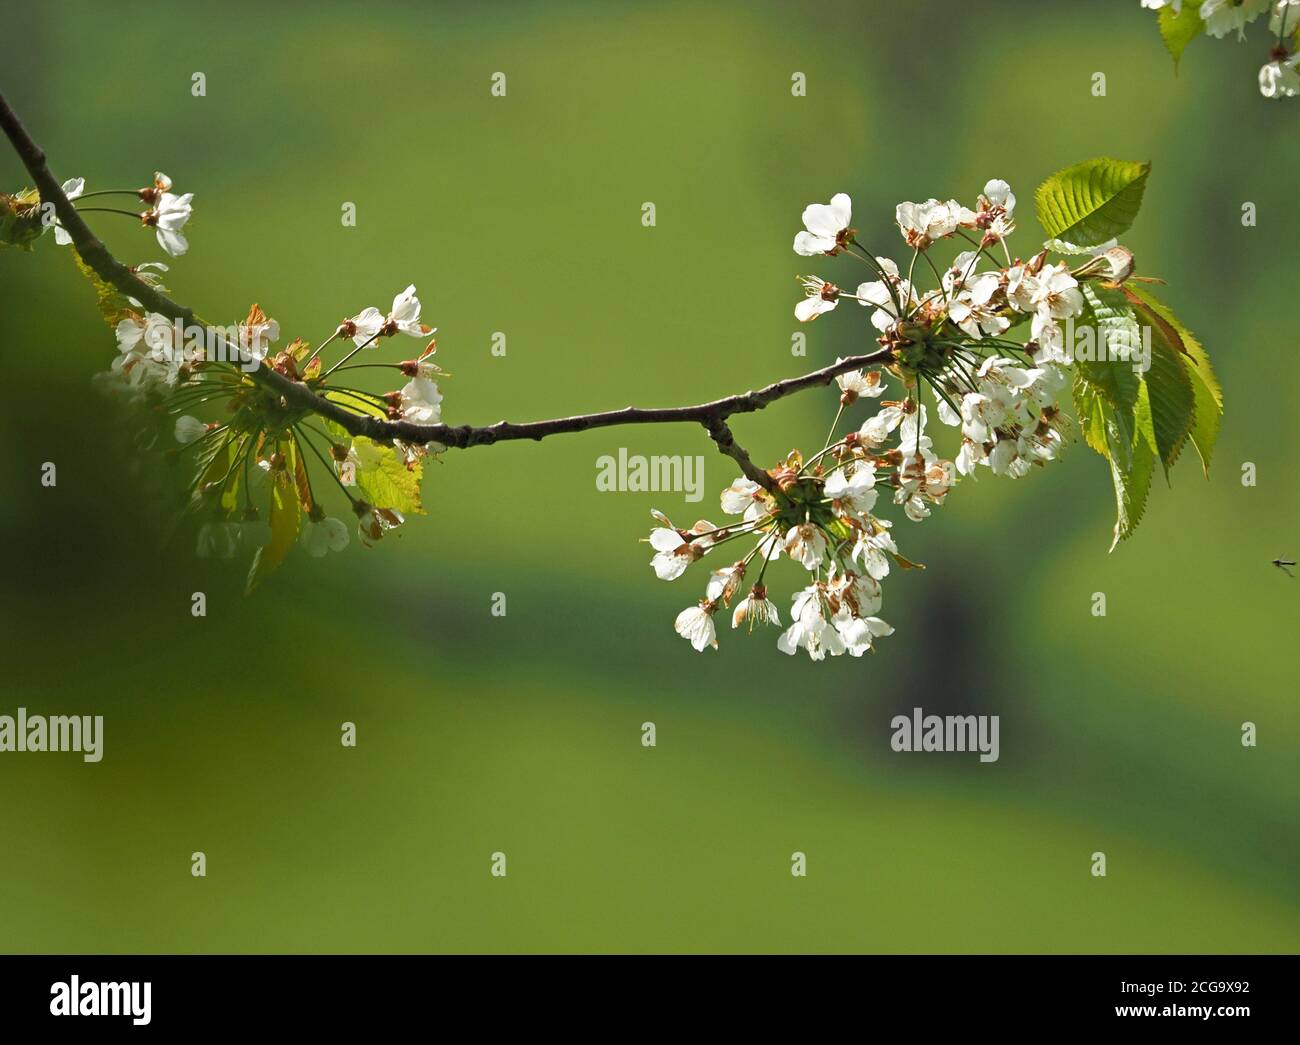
(1283, 564)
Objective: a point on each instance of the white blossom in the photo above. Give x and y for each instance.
(755, 608)
(364, 326)
(881, 294)
(875, 430)
(420, 402)
(854, 385)
(822, 297)
(852, 494)
(695, 625)
(996, 211)
(1226, 16)
(806, 544)
(741, 496)
(811, 630)
(405, 315)
(189, 428)
(923, 223)
(858, 633)
(167, 218)
(826, 224)
(324, 535)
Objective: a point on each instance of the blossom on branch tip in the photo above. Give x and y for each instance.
(887, 295)
(167, 217)
(827, 227)
(324, 534)
(852, 494)
(811, 630)
(364, 327)
(995, 212)
(676, 549)
(744, 497)
(923, 223)
(855, 384)
(405, 316)
(1226, 16)
(189, 429)
(806, 544)
(418, 401)
(373, 523)
(755, 608)
(821, 297)
(695, 625)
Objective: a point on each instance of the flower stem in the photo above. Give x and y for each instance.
(108, 210)
(320, 457)
(834, 425)
(351, 354)
(108, 192)
(983, 250)
(320, 348)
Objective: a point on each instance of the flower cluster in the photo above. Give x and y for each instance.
(998, 388)
(1182, 20)
(253, 459)
(265, 452)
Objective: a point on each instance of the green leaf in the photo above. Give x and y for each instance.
(1132, 421)
(1179, 30)
(356, 404)
(1114, 407)
(1108, 426)
(1206, 392)
(1091, 202)
(213, 461)
(285, 518)
(384, 480)
(1106, 391)
(1131, 487)
(1170, 399)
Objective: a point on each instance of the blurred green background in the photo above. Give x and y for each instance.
(522, 734)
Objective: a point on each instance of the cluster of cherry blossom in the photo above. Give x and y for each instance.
(999, 390)
(348, 461)
(178, 371)
(1278, 77)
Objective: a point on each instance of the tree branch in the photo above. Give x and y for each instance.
(712, 415)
